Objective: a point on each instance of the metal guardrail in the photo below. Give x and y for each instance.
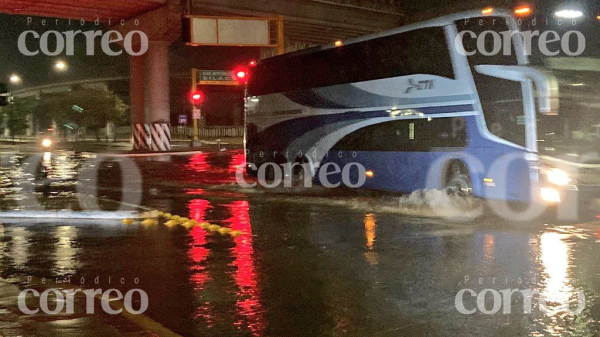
(188, 131)
(208, 131)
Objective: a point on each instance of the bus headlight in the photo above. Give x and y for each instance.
(549, 194)
(558, 177)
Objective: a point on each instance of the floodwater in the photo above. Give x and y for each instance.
(309, 262)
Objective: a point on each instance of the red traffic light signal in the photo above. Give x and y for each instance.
(241, 74)
(197, 97)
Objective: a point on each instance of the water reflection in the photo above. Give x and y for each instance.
(198, 162)
(249, 312)
(66, 250)
(18, 248)
(370, 225)
(198, 253)
(248, 297)
(488, 247)
(53, 174)
(555, 258)
(42, 249)
(14, 249)
(237, 160)
(205, 168)
(370, 230)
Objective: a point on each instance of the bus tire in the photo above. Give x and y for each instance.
(457, 180)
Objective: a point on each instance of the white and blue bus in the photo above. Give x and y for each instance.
(412, 109)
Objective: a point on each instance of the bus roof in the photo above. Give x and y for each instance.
(437, 22)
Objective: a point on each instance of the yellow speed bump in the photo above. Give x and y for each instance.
(189, 224)
(127, 221)
(224, 230)
(149, 222)
(171, 223)
(214, 228)
(174, 220)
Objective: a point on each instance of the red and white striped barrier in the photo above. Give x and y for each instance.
(152, 137)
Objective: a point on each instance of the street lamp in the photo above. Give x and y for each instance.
(569, 14)
(15, 79)
(60, 65)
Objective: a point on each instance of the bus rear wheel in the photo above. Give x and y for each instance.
(458, 180)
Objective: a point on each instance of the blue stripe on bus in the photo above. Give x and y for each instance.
(277, 137)
(348, 96)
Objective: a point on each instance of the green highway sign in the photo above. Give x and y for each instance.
(215, 77)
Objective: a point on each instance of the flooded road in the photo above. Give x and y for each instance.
(309, 262)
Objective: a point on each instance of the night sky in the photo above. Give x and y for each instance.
(38, 69)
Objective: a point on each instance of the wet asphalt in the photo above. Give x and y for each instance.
(310, 262)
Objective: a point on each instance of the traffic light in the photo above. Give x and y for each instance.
(197, 97)
(241, 74)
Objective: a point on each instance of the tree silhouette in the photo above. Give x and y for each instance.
(17, 113)
(81, 107)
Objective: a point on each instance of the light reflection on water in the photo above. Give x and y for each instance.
(248, 307)
(18, 248)
(25, 178)
(248, 302)
(244, 307)
(370, 235)
(399, 274)
(557, 287)
(370, 224)
(488, 247)
(555, 256)
(198, 254)
(66, 250)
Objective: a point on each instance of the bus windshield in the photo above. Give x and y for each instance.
(576, 130)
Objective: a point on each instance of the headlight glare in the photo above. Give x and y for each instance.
(558, 177)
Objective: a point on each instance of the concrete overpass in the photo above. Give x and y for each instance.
(307, 22)
(37, 91)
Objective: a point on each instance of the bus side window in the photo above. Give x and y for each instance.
(421, 51)
(419, 135)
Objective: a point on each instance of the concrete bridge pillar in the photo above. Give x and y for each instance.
(150, 106)
(158, 82)
(137, 89)
(149, 77)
